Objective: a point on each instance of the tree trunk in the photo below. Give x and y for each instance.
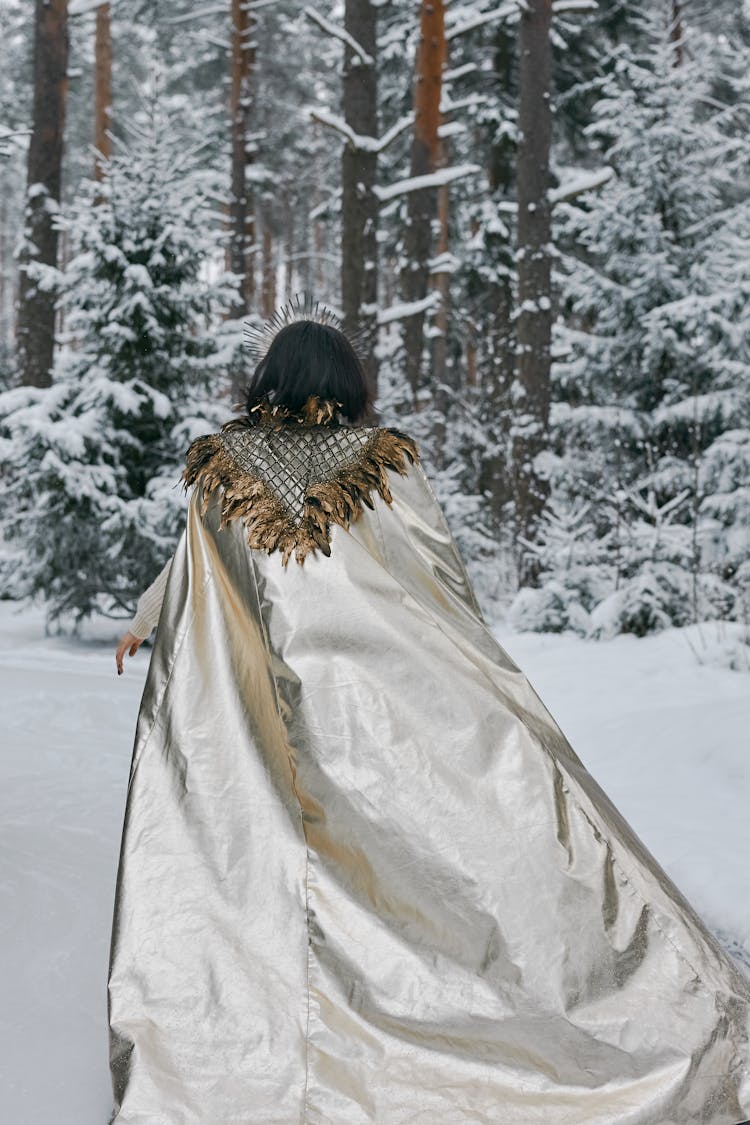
(102, 90)
(675, 31)
(422, 205)
(497, 342)
(359, 206)
(290, 234)
(534, 324)
(269, 273)
(36, 307)
(441, 280)
(497, 387)
(6, 283)
(439, 342)
(319, 249)
(241, 216)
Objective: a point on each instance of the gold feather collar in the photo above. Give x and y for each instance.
(293, 475)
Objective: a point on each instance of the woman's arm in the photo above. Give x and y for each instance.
(146, 616)
(148, 606)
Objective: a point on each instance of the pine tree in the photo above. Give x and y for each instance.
(654, 372)
(35, 327)
(92, 497)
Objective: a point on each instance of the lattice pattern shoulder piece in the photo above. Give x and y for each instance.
(289, 485)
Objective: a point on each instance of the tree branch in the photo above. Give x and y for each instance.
(339, 33)
(359, 141)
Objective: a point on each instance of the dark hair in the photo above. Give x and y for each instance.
(308, 358)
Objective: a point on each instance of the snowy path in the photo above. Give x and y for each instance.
(667, 738)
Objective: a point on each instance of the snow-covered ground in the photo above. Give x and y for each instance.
(665, 735)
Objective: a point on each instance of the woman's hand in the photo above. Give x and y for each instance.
(130, 644)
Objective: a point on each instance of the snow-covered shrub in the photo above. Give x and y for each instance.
(575, 564)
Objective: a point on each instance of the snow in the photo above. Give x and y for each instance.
(451, 129)
(665, 735)
(444, 263)
(359, 141)
(198, 14)
(505, 11)
(459, 72)
(542, 304)
(561, 6)
(403, 309)
(432, 179)
(469, 102)
(83, 7)
(339, 33)
(579, 182)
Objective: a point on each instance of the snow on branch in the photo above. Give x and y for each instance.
(433, 179)
(359, 141)
(443, 263)
(459, 71)
(559, 6)
(199, 14)
(580, 182)
(83, 7)
(510, 8)
(448, 106)
(5, 147)
(394, 131)
(408, 308)
(339, 33)
(323, 206)
(451, 129)
(188, 17)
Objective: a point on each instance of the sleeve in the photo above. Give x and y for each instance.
(149, 604)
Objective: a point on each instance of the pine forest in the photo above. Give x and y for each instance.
(535, 214)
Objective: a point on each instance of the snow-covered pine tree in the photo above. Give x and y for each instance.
(723, 481)
(656, 364)
(91, 491)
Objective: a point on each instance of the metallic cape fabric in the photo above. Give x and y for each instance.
(365, 878)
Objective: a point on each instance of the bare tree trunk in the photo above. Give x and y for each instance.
(439, 342)
(497, 385)
(290, 239)
(441, 282)
(269, 273)
(319, 247)
(472, 374)
(422, 205)
(389, 287)
(241, 218)
(359, 206)
(497, 343)
(675, 31)
(36, 307)
(534, 325)
(6, 285)
(243, 233)
(102, 89)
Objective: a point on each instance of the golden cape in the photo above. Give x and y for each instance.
(365, 878)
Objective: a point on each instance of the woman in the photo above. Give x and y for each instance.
(363, 875)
